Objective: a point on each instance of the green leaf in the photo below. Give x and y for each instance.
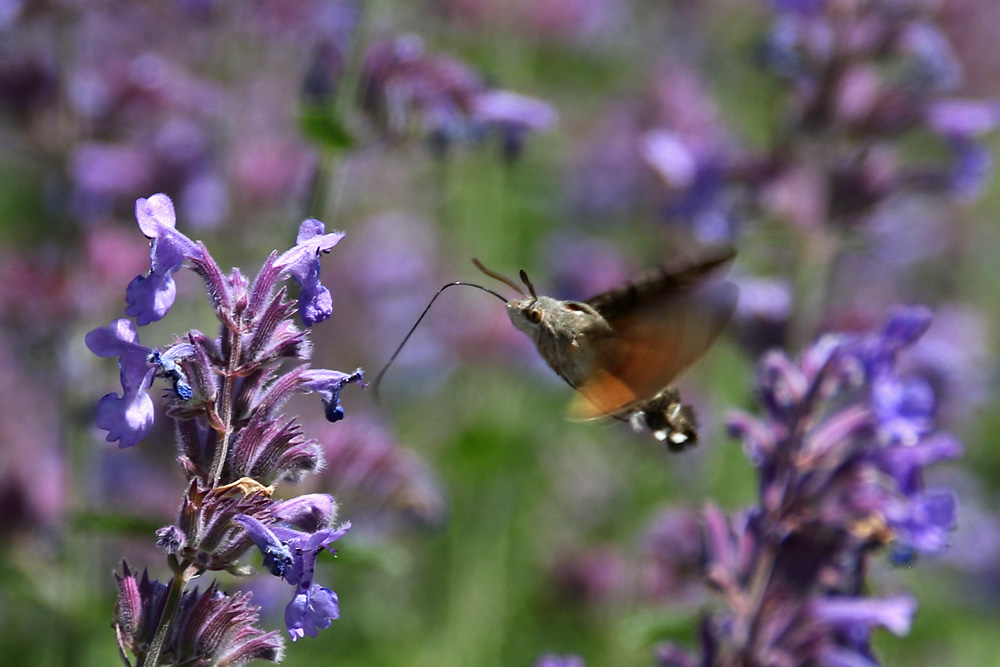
(113, 523)
(325, 130)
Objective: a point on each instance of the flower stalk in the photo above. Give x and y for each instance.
(839, 454)
(234, 446)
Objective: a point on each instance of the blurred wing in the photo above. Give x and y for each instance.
(658, 285)
(653, 342)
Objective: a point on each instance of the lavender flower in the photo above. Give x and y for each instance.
(513, 116)
(225, 398)
(837, 62)
(302, 264)
(404, 88)
(837, 482)
(963, 123)
(672, 548)
(126, 418)
(674, 141)
(292, 556)
(151, 296)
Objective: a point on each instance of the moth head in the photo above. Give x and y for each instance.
(528, 314)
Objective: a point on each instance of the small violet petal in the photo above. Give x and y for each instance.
(906, 324)
(127, 418)
(893, 613)
(150, 297)
(111, 340)
(315, 303)
(312, 609)
(155, 214)
(302, 264)
(328, 384)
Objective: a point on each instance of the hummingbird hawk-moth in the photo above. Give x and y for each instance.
(622, 349)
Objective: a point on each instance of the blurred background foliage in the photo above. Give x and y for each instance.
(488, 528)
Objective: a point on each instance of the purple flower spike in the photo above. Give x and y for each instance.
(129, 417)
(150, 297)
(302, 264)
(328, 384)
(834, 486)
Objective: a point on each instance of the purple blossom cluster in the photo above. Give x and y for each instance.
(840, 454)
(117, 100)
(583, 21)
(406, 90)
(670, 152)
(224, 398)
(207, 623)
(860, 85)
(868, 74)
(859, 78)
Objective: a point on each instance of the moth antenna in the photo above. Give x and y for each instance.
(378, 378)
(527, 283)
(496, 276)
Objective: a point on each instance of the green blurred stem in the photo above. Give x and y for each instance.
(812, 284)
(331, 167)
(507, 220)
(325, 173)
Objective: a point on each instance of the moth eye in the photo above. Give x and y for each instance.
(534, 315)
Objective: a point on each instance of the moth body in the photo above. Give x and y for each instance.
(622, 349)
(564, 333)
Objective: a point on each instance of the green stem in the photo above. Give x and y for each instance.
(226, 407)
(321, 189)
(332, 167)
(177, 585)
